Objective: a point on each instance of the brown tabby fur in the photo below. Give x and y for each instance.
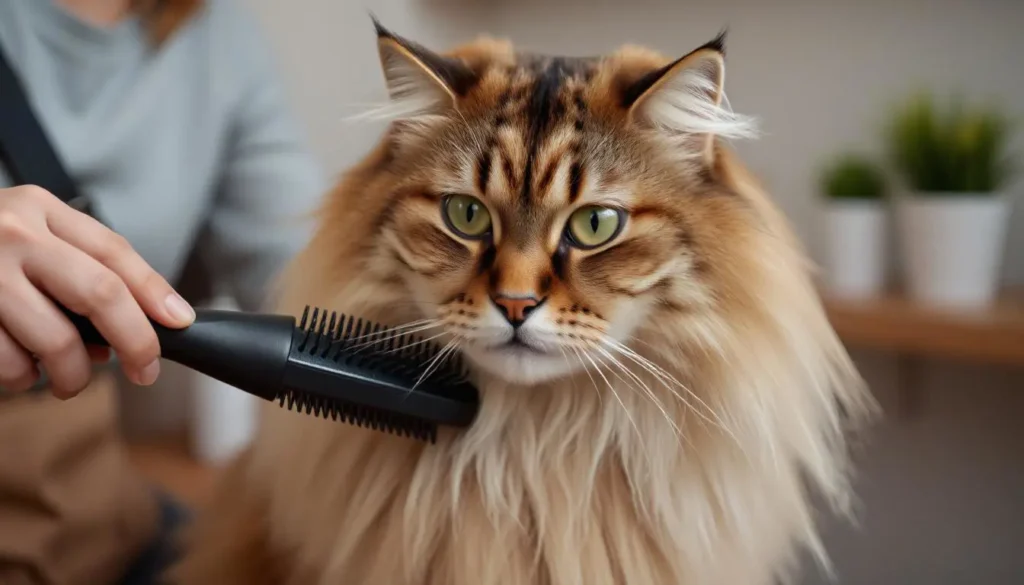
(587, 465)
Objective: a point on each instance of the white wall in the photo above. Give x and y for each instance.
(943, 492)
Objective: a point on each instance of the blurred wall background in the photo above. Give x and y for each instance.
(942, 490)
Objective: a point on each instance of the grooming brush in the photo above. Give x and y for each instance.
(328, 365)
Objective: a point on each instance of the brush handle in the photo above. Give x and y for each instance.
(246, 350)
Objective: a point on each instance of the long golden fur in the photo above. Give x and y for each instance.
(674, 398)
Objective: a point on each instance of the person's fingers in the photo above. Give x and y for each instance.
(152, 292)
(41, 329)
(18, 370)
(92, 290)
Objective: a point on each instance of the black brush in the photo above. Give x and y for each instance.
(329, 365)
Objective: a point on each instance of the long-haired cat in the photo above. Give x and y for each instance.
(661, 390)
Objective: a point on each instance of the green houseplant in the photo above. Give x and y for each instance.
(957, 150)
(854, 188)
(853, 176)
(954, 163)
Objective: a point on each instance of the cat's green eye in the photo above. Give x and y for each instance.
(590, 227)
(466, 216)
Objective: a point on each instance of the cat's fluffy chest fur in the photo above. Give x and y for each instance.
(562, 492)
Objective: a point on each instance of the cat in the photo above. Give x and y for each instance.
(661, 391)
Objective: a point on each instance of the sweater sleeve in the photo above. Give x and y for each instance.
(269, 182)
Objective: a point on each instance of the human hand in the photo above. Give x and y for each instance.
(49, 250)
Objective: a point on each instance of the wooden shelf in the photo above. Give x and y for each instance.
(895, 323)
(168, 463)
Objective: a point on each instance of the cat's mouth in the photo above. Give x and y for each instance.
(517, 345)
(518, 360)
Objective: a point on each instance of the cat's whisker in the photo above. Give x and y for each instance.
(659, 374)
(420, 342)
(647, 390)
(664, 382)
(565, 357)
(663, 376)
(639, 436)
(634, 338)
(657, 370)
(431, 363)
(398, 329)
(380, 339)
(453, 346)
(436, 362)
(586, 370)
(626, 350)
(568, 363)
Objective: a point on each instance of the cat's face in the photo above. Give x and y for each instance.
(543, 208)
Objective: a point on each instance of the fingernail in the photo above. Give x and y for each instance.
(179, 309)
(148, 374)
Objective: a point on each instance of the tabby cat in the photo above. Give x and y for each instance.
(661, 389)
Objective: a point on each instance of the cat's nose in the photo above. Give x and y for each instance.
(516, 308)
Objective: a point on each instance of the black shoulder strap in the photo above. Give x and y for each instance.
(25, 149)
(30, 159)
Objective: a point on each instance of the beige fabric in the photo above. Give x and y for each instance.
(72, 509)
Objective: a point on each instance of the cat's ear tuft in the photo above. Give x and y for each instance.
(420, 81)
(685, 101)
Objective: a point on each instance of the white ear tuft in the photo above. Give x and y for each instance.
(414, 90)
(421, 84)
(685, 102)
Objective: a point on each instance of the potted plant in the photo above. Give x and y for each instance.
(855, 224)
(953, 219)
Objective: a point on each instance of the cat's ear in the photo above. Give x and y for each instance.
(419, 81)
(684, 101)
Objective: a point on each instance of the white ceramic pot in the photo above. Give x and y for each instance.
(855, 244)
(953, 247)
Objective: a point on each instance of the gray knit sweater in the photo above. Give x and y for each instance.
(190, 140)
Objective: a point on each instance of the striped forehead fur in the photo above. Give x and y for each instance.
(684, 98)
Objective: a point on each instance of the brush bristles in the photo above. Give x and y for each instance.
(372, 349)
(363, 343)
(361, 416)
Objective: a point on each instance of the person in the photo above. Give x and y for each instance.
(168, 116)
